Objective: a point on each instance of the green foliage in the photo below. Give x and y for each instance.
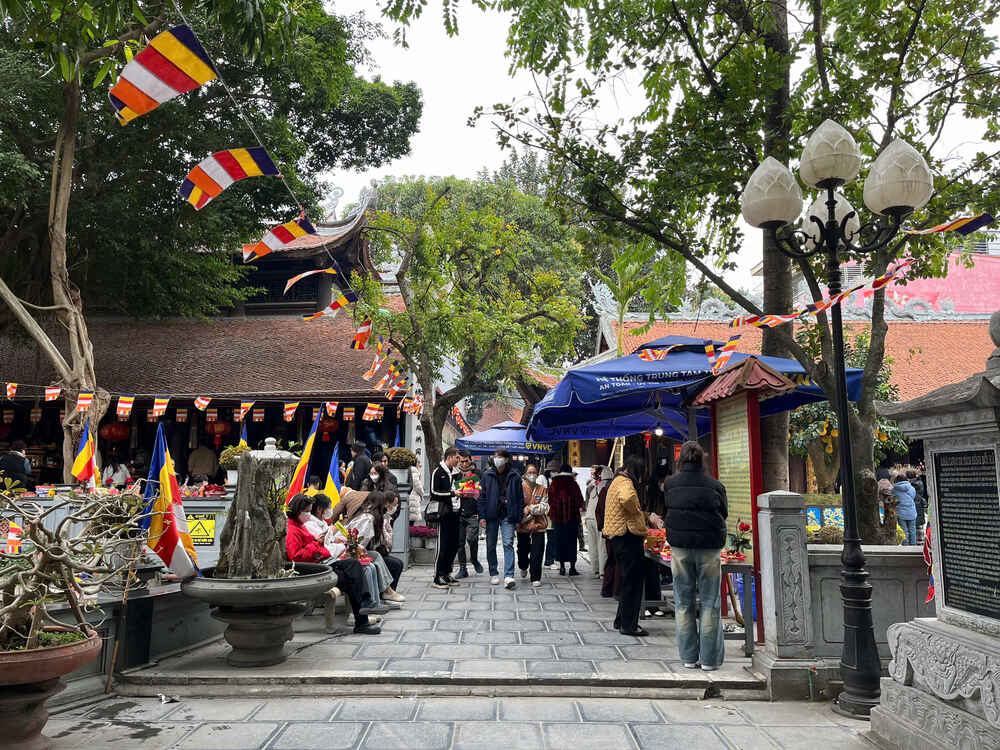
(134, 246)
(230, 457)
(818, 421)
(400, 457)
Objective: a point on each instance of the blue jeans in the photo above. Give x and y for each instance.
(506, 529)
(698, 573)
(910, 529)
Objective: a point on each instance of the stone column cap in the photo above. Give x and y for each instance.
(780, 500)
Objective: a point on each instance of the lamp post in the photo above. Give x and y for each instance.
(898, 183)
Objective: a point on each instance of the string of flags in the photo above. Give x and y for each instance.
(11, 390)
(964, 226)
(362, 335)
(296, 279)
(279, 237)
(460, 421)
(345, 299)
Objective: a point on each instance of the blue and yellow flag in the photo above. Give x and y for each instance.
(84, 465)
(302, 470)
(332, 488)
(169, 537)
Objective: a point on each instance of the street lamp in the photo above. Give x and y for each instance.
(898, 183)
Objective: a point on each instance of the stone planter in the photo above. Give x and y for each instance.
(231, 476)
(423, 555)
(417, 542)
(27, 680)
(259, 612)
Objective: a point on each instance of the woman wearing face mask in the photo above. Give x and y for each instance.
(534, 523)
(318, 524)
(370, 523)
(377, 480)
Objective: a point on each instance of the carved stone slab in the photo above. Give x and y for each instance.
(911, 719)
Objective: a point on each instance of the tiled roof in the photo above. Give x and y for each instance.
(926, 355)
(267, 356)
(496, 412)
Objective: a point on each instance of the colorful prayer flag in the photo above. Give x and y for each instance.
(212, 415)
(160, 405)
(725, 353)
(362, 335)
(84, 465)
(372, 412)
(348, 413)
(395, 389)
(296, 279)
(181, 415)
(710, 353)
(11, 390)
(8, 417)
(164, 517)
(151, 416)
(345, 299)
(36, 415)
(302, 470)
(52, 392)
(173, 63)
(315, 412)
(83, 400)
(332, 488)
(201, 403)
(290, 408)
(655, 355)
(124, 407)
(331, 408)
(379, 359)
(215, 173)
(258, 415)
(277, 238)
(964, 226)
(245, 406)
(389, 375)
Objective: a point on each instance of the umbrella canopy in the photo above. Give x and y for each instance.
(628, 395)
(506, 435)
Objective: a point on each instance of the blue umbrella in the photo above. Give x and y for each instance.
(506, 435)
(625, 396)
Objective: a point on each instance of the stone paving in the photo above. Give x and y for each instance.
(559, 632)
(344, 723)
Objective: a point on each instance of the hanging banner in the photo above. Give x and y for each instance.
(396, 389)
(36, 415)
(331, 408)
(152, 416)
(8, 417)
(212, 415)
(160, 405)
(372, 412)
(315, 413)
(725, 353)
(361, 336)
(258, 415)
(345, 299)
(215, 173)
(278, 238)
(201, 403)
(52, 392)
(11, 390)
(289, 411)
(296, 279)
(964, 226)
(348, 413)
(124, 407)
(245, 406)
(655, 355)
(83, 400)
(181, 415)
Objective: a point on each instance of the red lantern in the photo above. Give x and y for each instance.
(326, 426)
(218, 429)
(115, 432)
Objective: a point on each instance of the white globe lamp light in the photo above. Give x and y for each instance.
(830, 158)
(820, 211)
(772, 196)
(899, 181)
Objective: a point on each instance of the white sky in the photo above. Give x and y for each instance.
(457, 74)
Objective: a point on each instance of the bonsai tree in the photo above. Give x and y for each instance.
(230, 457)
(401, 458)
(96, 538)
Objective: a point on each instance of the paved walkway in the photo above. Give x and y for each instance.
(559, 634)
(453, 724)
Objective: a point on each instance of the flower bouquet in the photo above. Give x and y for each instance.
(739, 542)
(352, 544)
(656, 539)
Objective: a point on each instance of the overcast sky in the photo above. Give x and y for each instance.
(457, 74)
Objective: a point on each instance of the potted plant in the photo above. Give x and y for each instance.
(424, 550)
(65, 550)
(400, 461)
(229, 460)
(254, 589)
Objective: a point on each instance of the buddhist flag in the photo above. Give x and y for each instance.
(964, 226)
(394, 391)
(245, 406)
(160, 405)
(290, 409)
(379, 359)
(83, 400)
(201, 403)
(710, 353)
(52, 392)
(655, 355)
(302, 470)
(276, 239)
(296, 279)
(725, 353)
(332, 488)
(331, 408)
(372, 413)
(125, 405)
(258, 415)
(164, 517)
(181, 415)
(8, 417)
(212, 415)
(389, 374)
(345, 299)
(11, 390)
(84, 465)
(36, 415)
(362, 335)
(315, 412)
(348, 413)
(243, 434)
(172, 64)
(215, 173)
(151, 416)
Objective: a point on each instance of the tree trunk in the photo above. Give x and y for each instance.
(776, 268)
(825, 473)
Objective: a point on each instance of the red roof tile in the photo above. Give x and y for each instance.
(496, 412)
(926, 355)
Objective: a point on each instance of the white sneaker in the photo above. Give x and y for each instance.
(707, 668)
(536, 584)
(509, 583)
(524, 573)
(495, 580)
(691, 665)
(553, 566)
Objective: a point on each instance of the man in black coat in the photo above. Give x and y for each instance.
(15, 466)
(360, 467)
(443, 493)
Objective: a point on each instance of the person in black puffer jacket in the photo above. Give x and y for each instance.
(696, 531)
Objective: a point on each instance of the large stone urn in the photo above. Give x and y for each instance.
(253, 589)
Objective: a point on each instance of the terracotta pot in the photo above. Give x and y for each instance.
(27, 680)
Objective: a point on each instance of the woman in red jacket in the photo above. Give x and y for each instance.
(302, 546)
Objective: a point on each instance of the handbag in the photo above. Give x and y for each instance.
(432, 514)
(533, 525)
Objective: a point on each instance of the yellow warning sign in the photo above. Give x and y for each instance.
(202, 528)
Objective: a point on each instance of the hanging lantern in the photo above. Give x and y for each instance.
(327, 425)
(115, 432)
(218, 429)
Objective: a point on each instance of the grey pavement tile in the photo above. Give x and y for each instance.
(538, 709)
(228, 736)
(429, 636)
(127, 709)
(76, 733)
(489, 668)
(416, 624)
(358, 665)
(643, 651)
(481, 735)
(561, 639)
(461, 625)
(332, 650)
(586, 626)
(376, 709)
(341, 735)
(297, 709)
(544, 616)
(587, 652)
(550, 667)
(587, 737)
(808, 738)
(391, 651)
(454, 651)
(788, 713)
(708, 712)
(215, 709)
(417, 666)
(613, 638)
(497, 614)
(517, 626)
(481, 636)
(632, 668)
(654, 736)
(531, 597)
(749, 738)
(480, 606)
(415, 735)
(618, 710)
(457, 709)
(523, 652)
(442, 597)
